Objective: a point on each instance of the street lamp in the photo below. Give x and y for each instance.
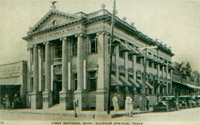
(145, 50)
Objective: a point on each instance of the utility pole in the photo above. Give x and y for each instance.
(111, 40)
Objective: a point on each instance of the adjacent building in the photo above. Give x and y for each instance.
(13, 80)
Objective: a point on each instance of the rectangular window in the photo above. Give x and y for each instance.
(93, 45)
(160, 68)
(43, 53)
(58, 50)
(92, 81)
(150, 64)
(137, 60)
(130, 57)
(155, 65)
(121, 54)
(74, 48)
(75, 82)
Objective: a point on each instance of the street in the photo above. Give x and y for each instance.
(183, 116)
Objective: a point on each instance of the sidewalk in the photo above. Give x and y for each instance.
(92, 114)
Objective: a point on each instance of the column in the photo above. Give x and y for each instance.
(84, 75)
(80, 95)
(167, 88)
(103, 72)
(158, 79)
(69, 76)
(65, 95)
(35, 96)
(126, 72)
(47, 95)
(134, 72)
(29, 74)
(171, 87)
(163, 79)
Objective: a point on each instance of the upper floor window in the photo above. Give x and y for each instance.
(130, 57)
(121, 54)
(155, 65)
(137, 60)
(74, 48)
(93, 44)
(58, 50)
(150, 64)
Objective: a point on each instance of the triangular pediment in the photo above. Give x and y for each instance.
(52, 18)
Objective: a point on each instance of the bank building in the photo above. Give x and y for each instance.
(69, 59)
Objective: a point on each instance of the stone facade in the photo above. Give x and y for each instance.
(13, 79)
(69, 60)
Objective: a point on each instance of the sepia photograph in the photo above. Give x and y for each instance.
(99, 62)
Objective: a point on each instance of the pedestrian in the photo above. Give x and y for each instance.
(115, 101)
(147, 102)
(129, 106)
(140, 103)
(7, 101)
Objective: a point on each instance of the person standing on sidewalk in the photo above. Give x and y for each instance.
(115, 101)
(147, 103)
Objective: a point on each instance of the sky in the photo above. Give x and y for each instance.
(174, 22)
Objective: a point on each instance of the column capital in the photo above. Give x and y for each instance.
(46, 43)
(101, 33)
(35, 46)
(63, 39)
(81, 35)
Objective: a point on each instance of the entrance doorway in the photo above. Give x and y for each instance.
(57, 87)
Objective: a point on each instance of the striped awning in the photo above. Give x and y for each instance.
(149, 85)
(124, 81)
(134, 83)
(115, 81)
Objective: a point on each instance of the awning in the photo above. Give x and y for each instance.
(187, 85)
(149, 85)
(12, 84)
(124, 81)
(115, 82)
(92, 69)
(124, 48)
(139, 82)
(134, 83)
(171, 67)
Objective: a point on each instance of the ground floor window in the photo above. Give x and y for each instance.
(75, 82)
(92, 81)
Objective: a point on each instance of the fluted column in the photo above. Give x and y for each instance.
(80, 62)
(47, 97)
(47, 67)
(65, 95)
(35, 69)
(171, 88)
(158, 78)
(35, 96)
(163, 79)
(79, 93)
(134, 71)
(167, 88)
(64, 65)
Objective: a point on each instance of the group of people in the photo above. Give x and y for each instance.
(15, 103)
(129, 104)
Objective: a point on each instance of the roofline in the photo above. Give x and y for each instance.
(13, 62)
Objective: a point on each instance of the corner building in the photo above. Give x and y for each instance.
(69, 59)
